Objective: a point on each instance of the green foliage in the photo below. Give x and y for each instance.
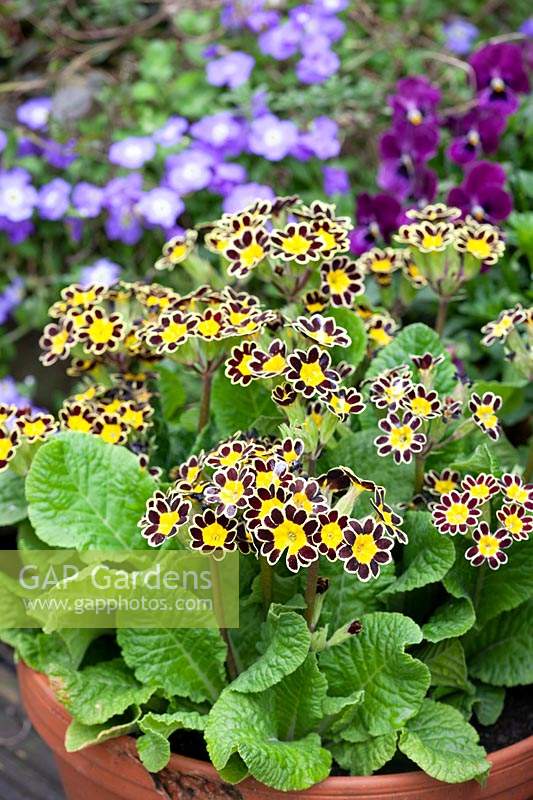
(13, 507)
(238, 408)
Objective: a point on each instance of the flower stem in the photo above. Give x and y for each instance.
(267, 576)
(205, 403)
(420, 461)
(218, 602)
(442, 313)
(310, 591)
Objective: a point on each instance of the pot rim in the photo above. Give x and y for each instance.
(337, 785)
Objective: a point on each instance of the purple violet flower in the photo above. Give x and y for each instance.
(403, 151)
(226, 176)
(377, 217)
(59, 154)
(460, 35)
(17, 195)
(189, 171)
(54, 199)
(171, 133)
(280, 42)
(500, 76)
(87, 199)
(102, 272)
(16, 232)
(161, 206)
(34, 113)
(223, 131)
(245, 195)
(477, 132)
(231, 70)
(527, 27)
(336, 181)
(317, 65)
(10, 298)
(272, 137)
(322, 138)
(481, 193)
(132, 152)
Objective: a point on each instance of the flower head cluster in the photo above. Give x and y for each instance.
(514, 329)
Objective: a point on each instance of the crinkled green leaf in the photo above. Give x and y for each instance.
(453, 618)
(287, 641)
(488, 703)
(501, 653)
(166, 724)
(171, 391)
(364, 758)
(446, 662)
(13, 506)
(187, 662)
(375, 660)
(240, 408)
(40, 651)
(77, 640)
(478, 460)
(79, 735)
(154, 751)
(84, 493)
(349, 320)
(443, 744)
(427, 557)
(346, 598)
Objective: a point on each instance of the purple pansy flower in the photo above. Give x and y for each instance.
(476, 132)
(377, 218)
(87, 199)
(500, 76)
(403, 151)
(132, 152)
(223, 131)
(226, 176)
(189, 171)
(280, 42)
(17, 195)
(161, 206)
(482, 195)
(54, 199)
(336, 181)
(272, 137)
(34, 113)
(10, 298)
(242, 196)
(102, 272)
(415, 102)
(460, 35)
(322, 138)
(231, 70)
(171, 133)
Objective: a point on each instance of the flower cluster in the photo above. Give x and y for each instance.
(473, 504)
(514, 329)
(253, 495)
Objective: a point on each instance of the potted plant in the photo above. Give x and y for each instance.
(276, 417)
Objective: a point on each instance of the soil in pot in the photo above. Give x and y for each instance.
(514, 724)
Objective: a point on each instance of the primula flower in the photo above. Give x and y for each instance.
(427, 237)
(271, 363)
(456, 513)
(332, 237)
(284, 395)
(9, 442)
(341, 478)
(269, 472)
(380, 329)
(172, 329)
(81, 296)
(111, 428)
(500, 76)
(389, 389)
(165, 514)
(73, 416)
(434, 212)
(246, 251)
(7, 411)
(427, 362)
(515, 520)
(309, 372)
(99, 332)
(272, 137)
(305, 493)
(516, 491)
(341, 281)
(136, 415)
(482, 242)
(230, 489)
(365, 549)
(330, 533)
(323, 330)
(212, 325)
(400, 437)
(263, 501)
(484, 413)
(343, 402)
(422, 402)
(503, 325)
(57, 341)
(290, 451)
(488, 547)
(239, 365)
(390, 520)
(439, 483)
(382, 263)
(35, 427)
(288, 530)
(132, 152)
(481, 488)
(295, 242)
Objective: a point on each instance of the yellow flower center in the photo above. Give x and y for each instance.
(312, 374)
(383, 265)
(394, 393)
(432, 242)
(167, 521)
(174, 332)
(209, 327)
(5, 447)
(487, 416)
(443, 487)
(232, 458)
(289, 535)
(78, 423)
(296, 245)
(58, 342)
(100, 331)
(252, 254)
(457, 514)
(275, 364)
(338, 281)
(503, 326)
(114, 406)
(513, 523)
(191, 474)
(401, 438)
(488, 545)
(133, 418)
(339, 404)
(82, 298)
(36, 428)
(323, 337)
(364, 548)
(244, 366)
(265, 479)
(111, 433)
(480, 491)
(331, 534)
(178, 252)
(215, 535)
(268, 505)
(478, 248)
(380, 336)
(301, 500)
(327, 239)
(517, 493)
(420, 406)
(231, 492)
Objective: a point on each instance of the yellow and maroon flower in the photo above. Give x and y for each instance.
(319, 210)
(246, 251)
(427, 236)
(389, 389)
(270, 472)
(345, 401)
(137, 416)
(488, 547)
(323, 330)
(515, 520)
(305, 493)
(288, 530)
(9, 441)
(176, 250)
(503, 325)
(214, 533)
(111, 428)
(76, 417)
(412, 272)
(438, 483)
(81, 366)
(332, 237)
(171, 330)
(437, 212)
(295, 242)
(341, 281)
(271, 363)
(341, 478)
(516, 491)
(239, 364)
(57, 341)
(290, 451)
(314, 301)
(229, 454)
(380, 329)
(284, 395)
(213, 325)
(6, 412)
(482, 242)
(381, 263)
(263, 501)
(329, 535)
(365, 548)
(481, 488)
(100, 332)
(230, 490)
(456, 513)
(78, 296)
(390, 520)
(35, 427)
(400, 437)
(309, 372)
(421, 402)
(426, 362)
(451, 409)
(484, 413)
(190, 471)
(165, 514)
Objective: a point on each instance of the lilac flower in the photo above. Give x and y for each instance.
(10, 298)
(280, 42)
(3, 141)
(17, 196)
(75, 227)
(102, 272)
(34, 113)
(132, 152)
(231, 70)
(161, 206)
(226, 176)
(11, 395)
(25, 147)
(259, 103)
(477, 132)
(123, 226)
(272, 137)
(121, 196)
(527, 27)
(245, 195)
(222, 131)
(500, 76)
(59, 154)
(313, 23)
(54, 199)
(189, 171)
(377, 217)
(415, 101)
(317, 65)
(171, 133)
(123, 191)
(460, 35)
(262, 20)
(482, 195)
(336, 181)
(17, 232)
(322, 138)
(331, 6)
(87, 199)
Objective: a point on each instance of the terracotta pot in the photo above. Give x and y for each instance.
(112, 771)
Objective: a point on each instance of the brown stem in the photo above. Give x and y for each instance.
(442, 313)
(267, 576)
(205, 403)
(310, 591)
(420, 461)
(218, 601)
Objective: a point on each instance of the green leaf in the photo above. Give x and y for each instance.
(502, 652)
(97, 693)
(428, 556)
(287, 646)
(166, 724)
(478, 460)
(446, 662)
(271, 731)
(416, 339)
(375, 660)
(171, 392)
(238, 408)
(154, 751)
(346, 598)
(364, 758)
(84, 493)
(488, 703)
(79, 735)
(40, 651)
(348, 319)
(13, 506)
(187, 662)
(77, 641)
(493, 591)
(453, 618)
(443, 744)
